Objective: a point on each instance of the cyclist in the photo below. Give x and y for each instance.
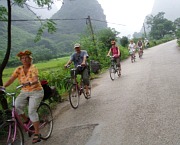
(140, 46)
(132, 48)
(146, 43)
(79, 58)
(27, 74)
(114, 50)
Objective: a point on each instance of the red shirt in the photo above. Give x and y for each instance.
(114, 51)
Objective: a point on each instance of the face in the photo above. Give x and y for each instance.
(25, 59)
(113, 44)
(77, 49)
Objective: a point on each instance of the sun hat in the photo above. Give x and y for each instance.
(22, 53)
(77, 45)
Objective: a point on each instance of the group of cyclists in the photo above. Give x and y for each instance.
(27, 74)
(132, 47)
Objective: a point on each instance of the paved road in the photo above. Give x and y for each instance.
(140, 108)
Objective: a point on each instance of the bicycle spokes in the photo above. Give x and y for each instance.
(74, 96)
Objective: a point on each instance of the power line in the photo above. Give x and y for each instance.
(108, 22)
(21, 20)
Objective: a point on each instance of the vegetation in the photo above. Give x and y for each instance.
(160, 26)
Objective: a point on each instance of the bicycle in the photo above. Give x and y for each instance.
(11, 130)
(77, 89)
(140, 52)
(114, 69)
(132, 54)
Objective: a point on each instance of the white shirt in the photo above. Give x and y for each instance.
(132, 46)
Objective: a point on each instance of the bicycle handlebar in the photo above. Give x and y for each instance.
(3, 89)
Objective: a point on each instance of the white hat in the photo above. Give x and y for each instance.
(77, 45)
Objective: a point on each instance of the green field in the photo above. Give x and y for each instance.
(43, 67)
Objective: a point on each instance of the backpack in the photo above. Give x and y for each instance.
(47, 89)
(139, 43)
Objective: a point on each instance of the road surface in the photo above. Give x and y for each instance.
(142, 107)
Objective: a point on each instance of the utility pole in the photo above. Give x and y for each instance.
(92, 33)
(144, 31)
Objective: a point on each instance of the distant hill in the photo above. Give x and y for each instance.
(72, 21)
(170, 7)
(68, 31)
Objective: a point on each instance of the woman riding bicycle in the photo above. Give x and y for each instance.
(27, 75)
(132, 48)
(115, 52)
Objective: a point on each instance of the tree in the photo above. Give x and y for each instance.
(124, 41)
(177, 25)
(159, 25)
(106, 35)
(5, 15)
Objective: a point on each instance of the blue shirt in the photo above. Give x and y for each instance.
(77, 58)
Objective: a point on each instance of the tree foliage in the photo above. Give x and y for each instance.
(6, 14)
(124, 41)
(159, 25)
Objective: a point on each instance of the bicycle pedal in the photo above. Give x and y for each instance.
(10, 120)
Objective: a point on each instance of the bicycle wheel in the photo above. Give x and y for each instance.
(87, 96)
(7, 133)
(118, 72)
(112, 73)
(46, 120)
(74, 96)
(132, 58)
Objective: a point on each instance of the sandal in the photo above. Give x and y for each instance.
(87, 94)
(36, 138)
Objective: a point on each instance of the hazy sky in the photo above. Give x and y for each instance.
(130, 13)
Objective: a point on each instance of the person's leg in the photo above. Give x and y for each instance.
(34, 101)
(118, 64)
(20, 103)
(85, 77)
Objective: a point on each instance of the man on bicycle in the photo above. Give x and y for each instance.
(140, 46)
(79, 59)
(114, 50)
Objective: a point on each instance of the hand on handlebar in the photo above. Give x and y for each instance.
(82, 64)
(2, 88)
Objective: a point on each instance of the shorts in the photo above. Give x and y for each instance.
(33, 103)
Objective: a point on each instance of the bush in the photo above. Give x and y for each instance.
(178, 41)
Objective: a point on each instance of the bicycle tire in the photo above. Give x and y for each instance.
(118, 72)
(74, 96)
(112, 73)
(89, 89)
(46, 120)
(7, 134)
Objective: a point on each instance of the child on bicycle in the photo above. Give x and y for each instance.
(79, 58)
(115, 52)
(27, 75)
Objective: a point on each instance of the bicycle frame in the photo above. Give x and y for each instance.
(16, 119)
(75, 82)
(113, 63)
